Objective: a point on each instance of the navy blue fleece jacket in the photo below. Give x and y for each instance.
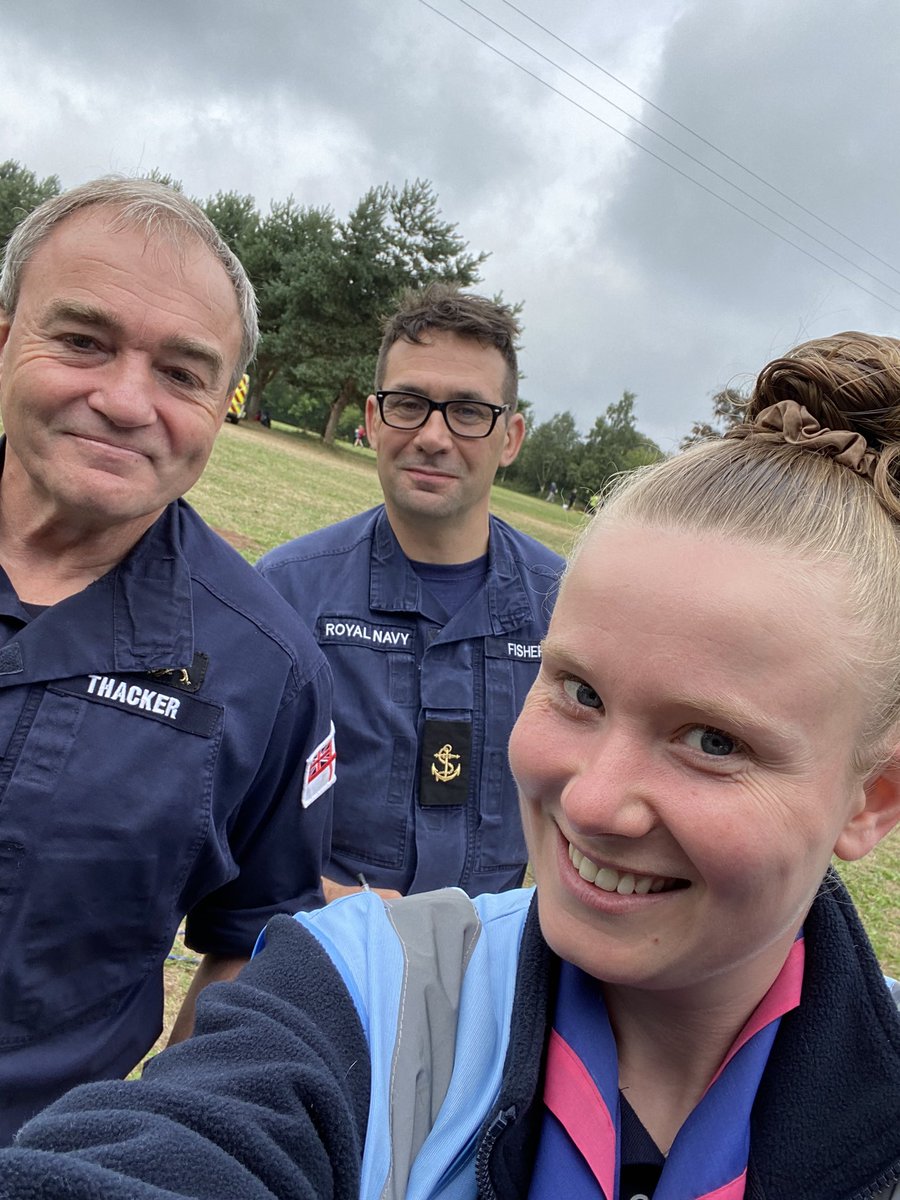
(270, 1097)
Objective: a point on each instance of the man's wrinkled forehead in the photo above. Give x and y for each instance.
(164, 247)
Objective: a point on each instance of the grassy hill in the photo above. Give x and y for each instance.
(263, 487)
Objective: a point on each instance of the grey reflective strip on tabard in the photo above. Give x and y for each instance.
(438, 932)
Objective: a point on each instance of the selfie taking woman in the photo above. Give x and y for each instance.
(688, 1007)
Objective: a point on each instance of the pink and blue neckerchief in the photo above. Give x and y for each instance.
(579, 1150)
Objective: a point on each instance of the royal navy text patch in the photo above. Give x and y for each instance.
(355, 631)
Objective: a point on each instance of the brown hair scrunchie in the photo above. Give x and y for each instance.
(788, 421)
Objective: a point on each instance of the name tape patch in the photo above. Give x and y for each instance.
(321, 770)
(500, 647)
(353, 631)
(144, 698)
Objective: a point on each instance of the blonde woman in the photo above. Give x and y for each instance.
(688, 1007)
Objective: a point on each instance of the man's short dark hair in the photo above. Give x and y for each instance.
(444, 308)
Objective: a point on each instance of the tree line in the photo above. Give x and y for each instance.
(555, 456)
(324, 283)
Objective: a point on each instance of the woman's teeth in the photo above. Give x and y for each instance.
(623, 882)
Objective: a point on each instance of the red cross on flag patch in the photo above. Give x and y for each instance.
(321, 770)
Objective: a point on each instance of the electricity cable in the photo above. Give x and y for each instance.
(691, 157)
(665, 162)
(700, 138)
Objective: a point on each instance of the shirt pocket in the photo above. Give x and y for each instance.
(372, 815)
(108, 811)
(376, 707)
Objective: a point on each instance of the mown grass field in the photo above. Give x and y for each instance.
(264, 486)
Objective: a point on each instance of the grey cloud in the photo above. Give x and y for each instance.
(630, 276)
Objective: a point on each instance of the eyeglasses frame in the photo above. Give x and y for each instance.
(497, 410)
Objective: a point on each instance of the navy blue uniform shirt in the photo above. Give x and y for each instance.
(424, 705)
(155, 732)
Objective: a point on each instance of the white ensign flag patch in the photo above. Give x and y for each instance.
(321, 770)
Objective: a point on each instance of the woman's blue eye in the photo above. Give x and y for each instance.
(581, 693)
(711, 741)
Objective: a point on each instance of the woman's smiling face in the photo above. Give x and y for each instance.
(684, 758)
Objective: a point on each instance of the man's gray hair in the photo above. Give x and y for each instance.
(144, 204)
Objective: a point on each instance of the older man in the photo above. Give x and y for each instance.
(430, 611)
(164, 717)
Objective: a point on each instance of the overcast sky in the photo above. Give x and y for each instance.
(631, 276)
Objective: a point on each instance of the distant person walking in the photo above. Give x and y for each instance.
(360, 435)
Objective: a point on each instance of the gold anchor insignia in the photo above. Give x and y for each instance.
(444, 755)
(168, 672)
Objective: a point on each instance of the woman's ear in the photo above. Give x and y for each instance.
(876, 816)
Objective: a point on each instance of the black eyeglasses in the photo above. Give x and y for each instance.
(464, 418)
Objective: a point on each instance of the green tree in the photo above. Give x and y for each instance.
(236, 219)
(324, 284)
(614, 445)
(550, 452)
(729, 406)
(20, 192)
(393, 239)
(523, 404)
(166, 180)
(288, 254)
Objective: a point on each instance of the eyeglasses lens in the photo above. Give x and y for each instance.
(468, 418)
(406, 412)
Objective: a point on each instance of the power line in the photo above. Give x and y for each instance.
(696, 182)
(700, 138)
(680, 150)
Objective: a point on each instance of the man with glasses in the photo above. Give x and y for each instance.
(430, 612)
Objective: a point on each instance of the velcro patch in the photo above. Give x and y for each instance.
(446, 759)
(321, 770)
(145, 698)
(11, 659)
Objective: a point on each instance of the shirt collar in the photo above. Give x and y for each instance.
(136, 617)
(499, 607)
